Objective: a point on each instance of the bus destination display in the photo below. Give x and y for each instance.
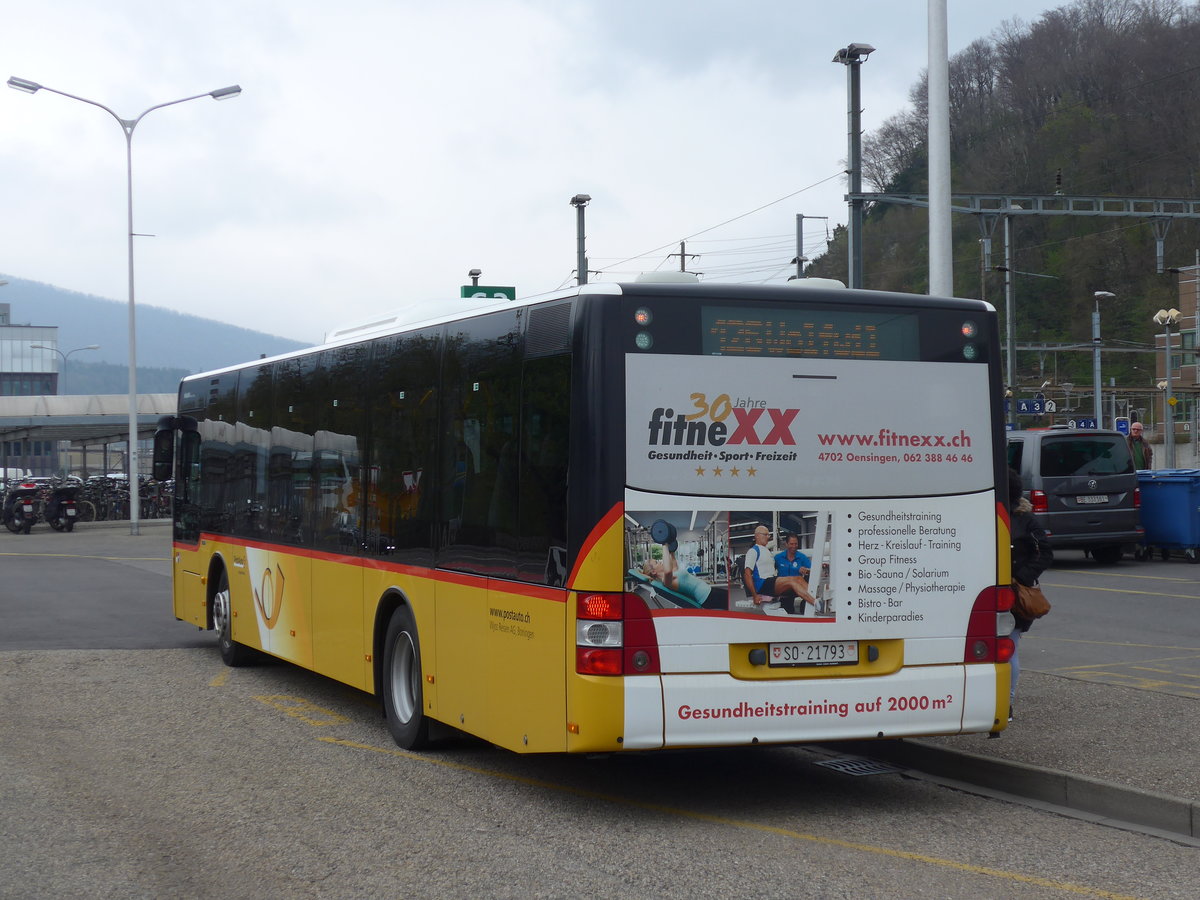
(835, 334)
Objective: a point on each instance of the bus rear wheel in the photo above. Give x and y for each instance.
(232, 653)
(403, 698)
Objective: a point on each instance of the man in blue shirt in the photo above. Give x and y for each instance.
(791, 561)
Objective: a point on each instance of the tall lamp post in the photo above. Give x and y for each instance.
(580, 202)
(127, 126)
(1166, 318)
(65, 356)
(1100, 295)
(852, 57)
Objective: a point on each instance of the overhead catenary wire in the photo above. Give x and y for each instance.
(751, 212)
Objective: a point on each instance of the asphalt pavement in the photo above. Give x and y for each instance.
(1118, 754)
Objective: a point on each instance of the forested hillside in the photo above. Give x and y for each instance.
(1096, 98)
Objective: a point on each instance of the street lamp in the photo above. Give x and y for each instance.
(1100, 295)
(852, 57)
(580, 201)
(1166, 318)
(127, 126)
(66, 355)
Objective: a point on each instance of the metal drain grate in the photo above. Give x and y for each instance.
(857, 765)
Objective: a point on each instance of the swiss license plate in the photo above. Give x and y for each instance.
(28, 507)
(813, 653)
(70, 510)
(1091, 499)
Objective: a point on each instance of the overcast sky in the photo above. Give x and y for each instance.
(382, 148)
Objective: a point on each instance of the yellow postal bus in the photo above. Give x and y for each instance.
(624, 517)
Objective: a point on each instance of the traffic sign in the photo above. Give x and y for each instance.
(1031, 407)
(487, 292)
(1082, 422)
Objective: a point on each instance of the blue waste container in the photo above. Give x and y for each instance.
(1170, 512)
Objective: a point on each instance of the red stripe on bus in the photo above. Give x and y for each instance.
(610, 518)
(463, 579)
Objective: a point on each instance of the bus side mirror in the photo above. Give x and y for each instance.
(164, 448)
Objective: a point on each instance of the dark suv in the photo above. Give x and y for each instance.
(1083, 488)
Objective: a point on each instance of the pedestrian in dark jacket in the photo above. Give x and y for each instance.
(1031, 556)
(1139, 447)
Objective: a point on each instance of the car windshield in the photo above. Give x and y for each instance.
(1086, 456)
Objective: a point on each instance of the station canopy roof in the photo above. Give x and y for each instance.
(81, 419)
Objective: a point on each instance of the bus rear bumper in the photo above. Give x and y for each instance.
(718, 710)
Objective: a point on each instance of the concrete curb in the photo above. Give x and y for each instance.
(1105, 801)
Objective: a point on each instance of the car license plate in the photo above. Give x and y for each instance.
(1091, 499)
(813, 653)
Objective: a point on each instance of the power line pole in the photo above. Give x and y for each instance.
(684, 256)
(800, 259)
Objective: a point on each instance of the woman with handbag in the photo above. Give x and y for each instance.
(1031, 556)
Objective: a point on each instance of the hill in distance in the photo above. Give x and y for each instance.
(170, 344)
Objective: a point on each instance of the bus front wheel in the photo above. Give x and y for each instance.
(403, 699)
(232, 653)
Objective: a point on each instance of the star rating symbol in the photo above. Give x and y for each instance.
(699, 470)
(718, 472)
(735, 471)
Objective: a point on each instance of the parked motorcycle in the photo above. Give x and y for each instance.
(62, 508)
(19, 514)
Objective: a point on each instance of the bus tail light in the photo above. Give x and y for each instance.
(989, 626)
(1039, 501)
(1005, 648)
(614, 635)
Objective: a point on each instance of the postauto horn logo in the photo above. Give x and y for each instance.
(722, 422)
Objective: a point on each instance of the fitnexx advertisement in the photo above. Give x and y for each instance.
(726, 427)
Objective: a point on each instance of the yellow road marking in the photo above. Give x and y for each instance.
(1126, 575)
(1156, 685)
(1062, 640)
(220, 679)
(304, 710)
(1166, 672)
(1063, 886)
(1077, 587)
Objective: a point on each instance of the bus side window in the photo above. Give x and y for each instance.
(403, 455)
(545, 420)
(338, 445)
(482, 382)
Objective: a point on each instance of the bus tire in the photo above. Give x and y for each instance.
(233, 654)
(403, 697)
